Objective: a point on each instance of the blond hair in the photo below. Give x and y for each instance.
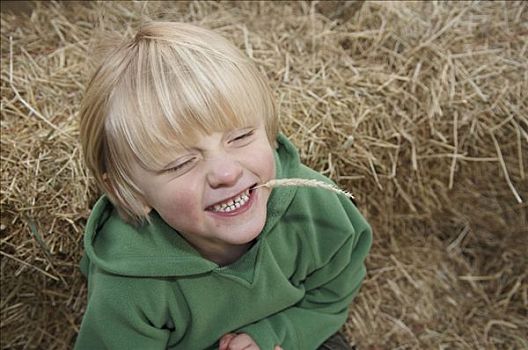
(160, 91)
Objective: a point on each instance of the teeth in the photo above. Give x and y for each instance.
(233, 204)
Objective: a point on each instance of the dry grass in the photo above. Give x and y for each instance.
(419, 109)
(305, 183)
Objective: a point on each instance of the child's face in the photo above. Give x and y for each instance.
(204, 192)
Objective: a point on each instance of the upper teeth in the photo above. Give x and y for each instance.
(233, 203)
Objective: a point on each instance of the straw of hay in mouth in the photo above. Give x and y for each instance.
(306, 183)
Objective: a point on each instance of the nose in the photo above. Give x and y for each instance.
(223, 171)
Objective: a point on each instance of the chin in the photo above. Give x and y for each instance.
(247, 235)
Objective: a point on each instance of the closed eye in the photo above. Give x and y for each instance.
(182, 167)
(243, 136)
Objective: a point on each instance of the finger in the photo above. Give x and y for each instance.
(277, 347)
(225, 340)
(242, 342)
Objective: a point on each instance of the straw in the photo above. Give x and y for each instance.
(304, 182)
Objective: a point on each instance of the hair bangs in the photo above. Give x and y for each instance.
(170, 96)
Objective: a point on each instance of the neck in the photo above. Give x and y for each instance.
(218, 252)
(224, 257)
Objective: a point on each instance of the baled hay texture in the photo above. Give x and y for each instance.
(304, 182)
(420, 108)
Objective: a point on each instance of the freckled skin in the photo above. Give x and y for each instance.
(225, 165)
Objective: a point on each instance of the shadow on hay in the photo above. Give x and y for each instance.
(42, 313)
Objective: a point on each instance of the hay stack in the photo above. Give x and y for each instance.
(419, 109)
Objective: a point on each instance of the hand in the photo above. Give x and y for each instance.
(241, 341)
(234, 341)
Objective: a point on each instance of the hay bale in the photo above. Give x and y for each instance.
(419, 109)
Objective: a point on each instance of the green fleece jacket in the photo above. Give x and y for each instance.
(149, 289)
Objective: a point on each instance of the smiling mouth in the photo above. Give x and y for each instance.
(233, 203)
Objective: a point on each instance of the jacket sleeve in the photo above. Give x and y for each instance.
(119, 317)
(324, 309)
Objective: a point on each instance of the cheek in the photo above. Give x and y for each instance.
(180, 213)
(266, 162)
(176, 202)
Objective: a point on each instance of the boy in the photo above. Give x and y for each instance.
(183, 252)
